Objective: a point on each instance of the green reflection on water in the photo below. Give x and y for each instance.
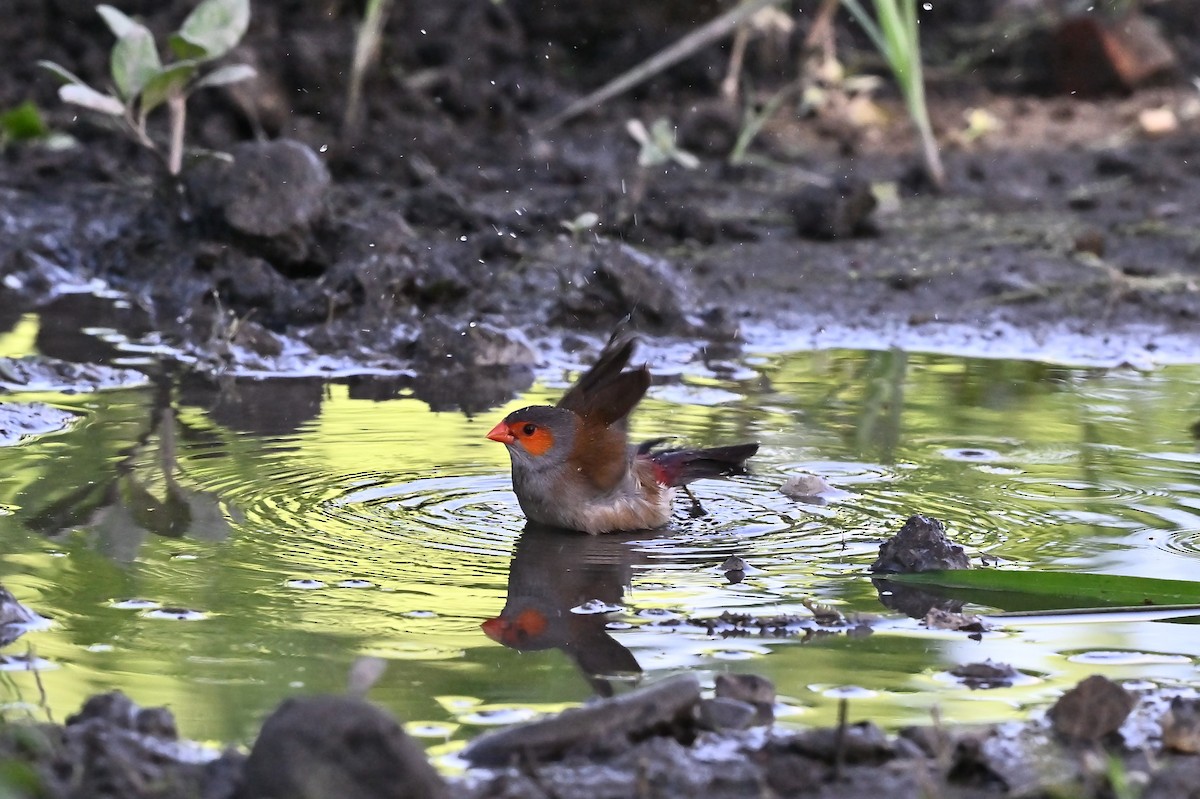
(309, 525)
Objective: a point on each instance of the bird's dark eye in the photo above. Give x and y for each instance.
(529, 429)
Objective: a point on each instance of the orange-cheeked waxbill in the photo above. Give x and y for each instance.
(573, 466)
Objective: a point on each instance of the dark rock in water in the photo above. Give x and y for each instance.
(921, 545)
(35, 373)
(1091, 710)
(985, 675)
(326, 746)
(607, 281)
(273, 192)
(608, 725)
(22, 420)
(838, 211)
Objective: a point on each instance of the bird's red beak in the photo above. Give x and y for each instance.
(496, 629)
(502, 433)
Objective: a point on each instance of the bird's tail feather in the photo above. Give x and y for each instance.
(678, 467)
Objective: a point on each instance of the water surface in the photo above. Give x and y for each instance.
(216, 549)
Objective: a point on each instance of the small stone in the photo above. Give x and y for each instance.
(724, 713)
(804, 486)
(1157, 122)
(733, 563)
(754, 690)
(1181, 726)
(1091, 710)
(985, 675)
(838, 211)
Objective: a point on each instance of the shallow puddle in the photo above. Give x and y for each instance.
(218, 549)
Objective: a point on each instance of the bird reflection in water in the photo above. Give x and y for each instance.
(554, 571)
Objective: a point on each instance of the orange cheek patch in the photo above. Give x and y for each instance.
(537, 444)
(531, 622)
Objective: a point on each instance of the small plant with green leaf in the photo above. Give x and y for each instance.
(143, 82)
(893, 30)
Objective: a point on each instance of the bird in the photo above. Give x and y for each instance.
(574, 468)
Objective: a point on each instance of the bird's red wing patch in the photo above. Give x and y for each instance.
(535, 443)
(662, 475)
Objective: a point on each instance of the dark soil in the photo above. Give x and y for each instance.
(429, 237)
(446, 207)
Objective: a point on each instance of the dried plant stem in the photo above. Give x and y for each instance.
(703, 36)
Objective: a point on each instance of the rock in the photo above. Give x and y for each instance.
(921, 545)
(113, 748)
(324, 746)
(273, 193)
(472, 346)
(723, 713)
(1091, 710)
(943, 619)
(1181, 726)
(806, 488)
(985, 675)
(605, 725)
(470, 367)
(856, 744)
(22, 420)
(755, 691)
(837, 211)
(608, 281)
(1180, 780)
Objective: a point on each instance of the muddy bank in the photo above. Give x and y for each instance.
(1064, 223)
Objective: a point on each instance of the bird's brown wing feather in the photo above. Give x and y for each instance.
(605, 394)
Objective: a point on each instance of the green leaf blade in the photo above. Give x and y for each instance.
(214, 27)
(169, 81)
(1012, 589)
(227, 75)
(23, 123)
(134, 62)
(64, 75)
(87, 97)
(120, 23)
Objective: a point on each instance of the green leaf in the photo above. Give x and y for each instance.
(120, 23)
(134, 62)
(83, 95)
(171, 80)
(1026, 590)
(62, 73)
(214, 28)
(22, 123)
(184, 49)
(224, 76)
